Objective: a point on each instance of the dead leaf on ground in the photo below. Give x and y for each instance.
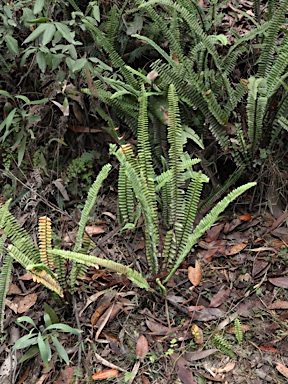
(159, 329)
(281, 282)
(236, 249)
(142, 347)
(184, 374)
(219, 298)
(98, 313)
(66, 375)
(106, 374)
(94, 230)
(145, 380)
(207, 314)
(244, 327)
(22, 304)
(246, 217)
(199, 355)
(195, 274)
(279, 305)
(13, 289)
(214, 232)
(228, 367)
(282, 369)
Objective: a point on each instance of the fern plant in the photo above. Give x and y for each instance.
(166, 191)
(202, 67)
(224, 346)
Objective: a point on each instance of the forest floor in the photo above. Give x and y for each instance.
(224, 318)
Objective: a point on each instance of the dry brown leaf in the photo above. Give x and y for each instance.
(219, 298)
(199, 355)
(208, 314)
(195, 274)
(228, 367)
(281, 282)
(159, 329)
(184, 374)
(279, 305)
(193, 308)
(66, 376)
(197, 334)
(104, 375)
(236, 249)
(98, 313)
(282, 369)
(145, 380)
(246, 217)
(13, 289)
(142, 347)
(214, 232)
(26, 302)
(244, 328)
(94, 230)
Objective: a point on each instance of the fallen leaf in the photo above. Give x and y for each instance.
(197, 334)
(282, 369)
(236, 249)
(104, 375)
(193, 308)
(13, 289)
(195, 274)
(152, 75)
(244, 328)
(159, 329)
(199, 355)
(142, 347)
(281, 282)
(219, 298)
(207, 314)
(98, 313)
(214, 232)
(66, 376)
(279, 305)
(145, 380)
(94, 230)
(228, 367)
(26, 302)
(268, 348)
(246, 217)
(184, 374)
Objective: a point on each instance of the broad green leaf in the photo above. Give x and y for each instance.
(9, 118)
(41, 101)
(21, 151)
(72, 51)
(33, 351)
(49, 33)
(101, 64)
(96, 13)
(47, 320)
(35, 34)
(5, 93)
(12, 44)
(38, 6)
(79, 64)
(50, 311)
(24, 98)
(65, 32)
(8, 12)
(37, 21)
(41, 61)
(25, 341)
(60, 349)
(44, 352)
(19, 137)
(63, 328)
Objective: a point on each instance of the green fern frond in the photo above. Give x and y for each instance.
(5, 276)
(279, 66)
(222, 344)
(270, 40)
(89, 204)
(238, 330)
(206, 223)
(18, 236)
(93, 261)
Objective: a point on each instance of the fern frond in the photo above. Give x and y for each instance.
(270, 40)
(89, 204)
(18, 236)
(93, 261)
(222, 344)
(45, 240)
(206, 223)
(238, 330)
(5, 276)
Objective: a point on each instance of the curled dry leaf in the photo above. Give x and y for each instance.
(142, 347)
(228, 367)
(106, 374)
(195, 274)
(282, 369)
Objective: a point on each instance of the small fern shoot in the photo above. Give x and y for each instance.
(238, 330)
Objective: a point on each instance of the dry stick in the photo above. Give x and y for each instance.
(79, 337)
